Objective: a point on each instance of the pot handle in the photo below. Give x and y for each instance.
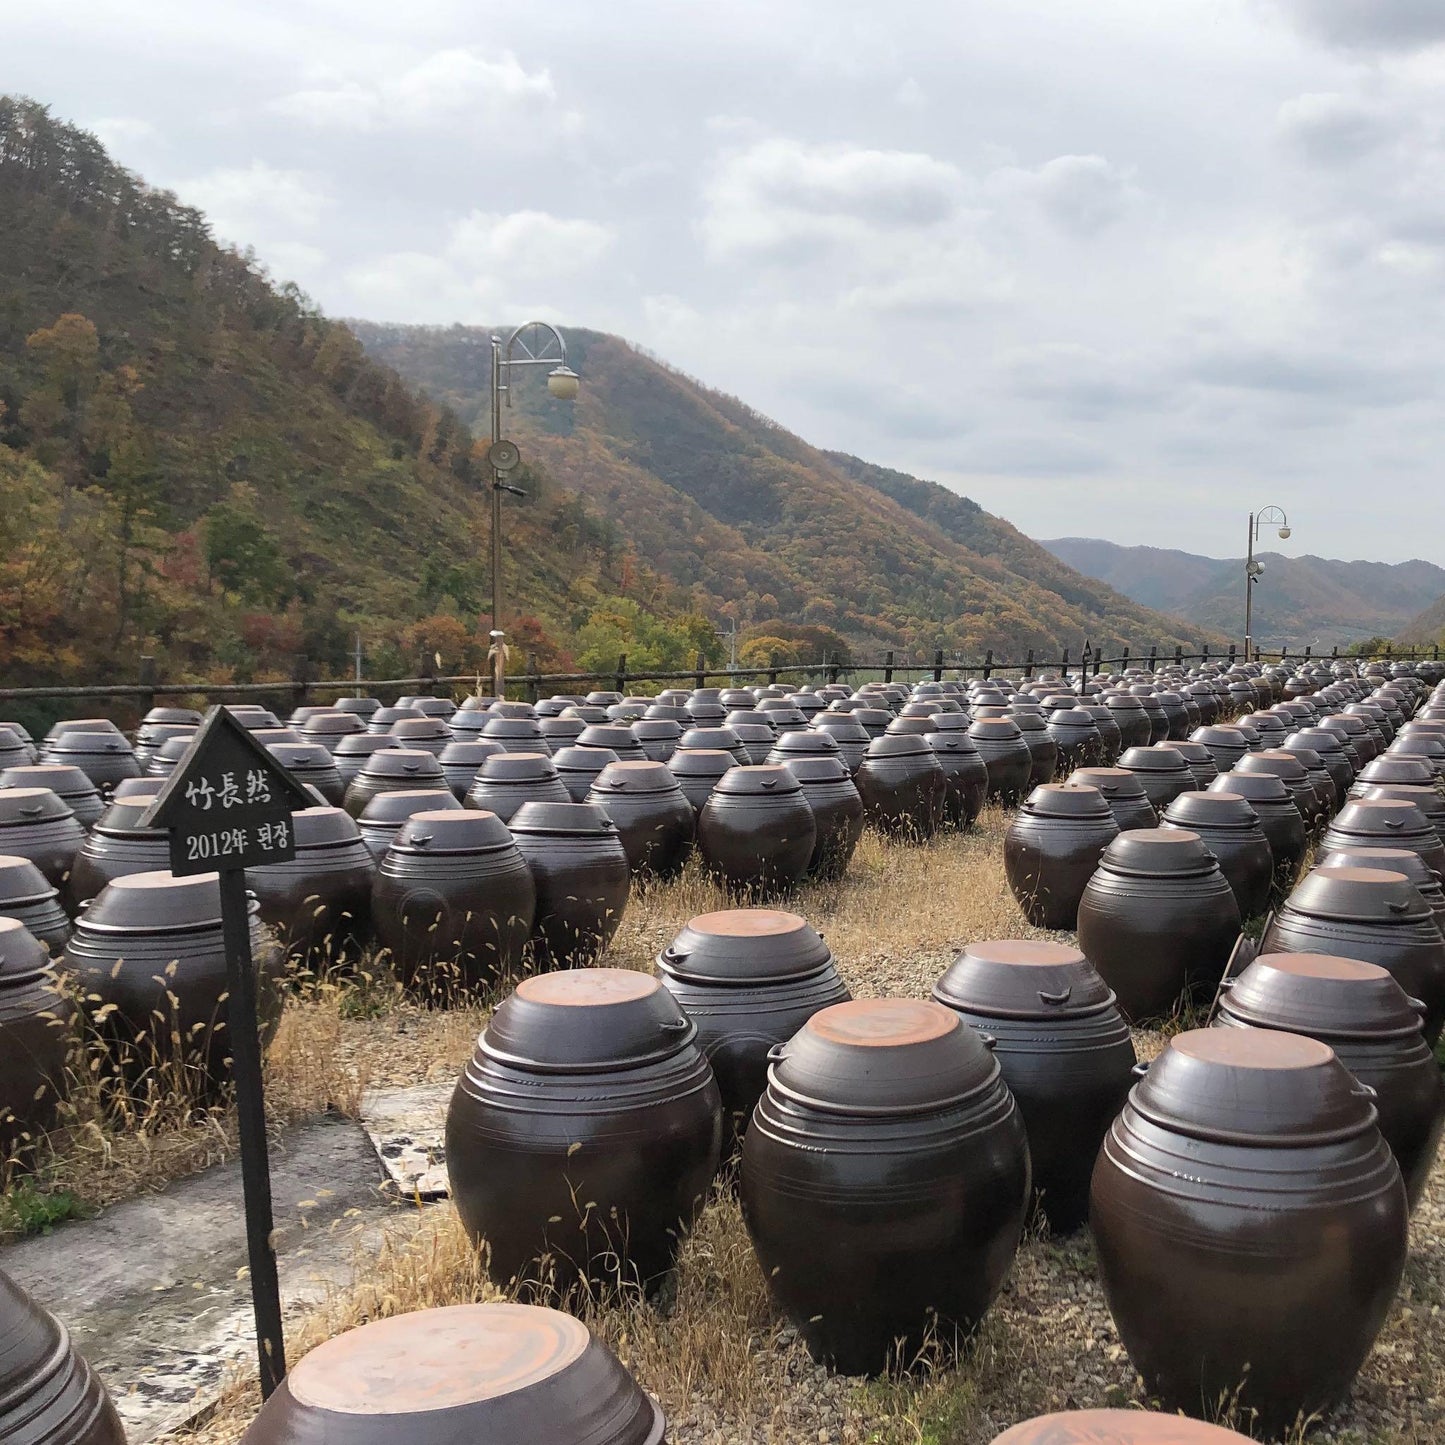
(1225, 984)
(1398, 907)
(1418, 1005)
(769, 782)
(1056, 998)
(33, 812)
(987, 1040)
(1394, 822)
(1141, 1068)
(410, 767)
(777, 1053)
(421, 839)
(1364, 1091)
(675, 955)
(675, 1026)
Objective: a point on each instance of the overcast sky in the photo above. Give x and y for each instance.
(1122, 268)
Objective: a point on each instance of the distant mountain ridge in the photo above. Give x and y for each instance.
(1302, 600)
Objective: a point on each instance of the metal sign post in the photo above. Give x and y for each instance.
(227, 806)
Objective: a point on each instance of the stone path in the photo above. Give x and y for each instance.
(406, 1127)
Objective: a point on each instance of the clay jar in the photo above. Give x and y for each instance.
(319, 902)
(1052, 847)
(1111, 740)
(328, 728)
(36, 824)
(1373, 1027)
(1390, 770)
(654, 818)
(1132, 720)
(104, 757)
(508, 779)
(481, 1373)
(116, 846)
(579, 869)
(1230, 830)
(1116, 1427)
(1042, 745)
(384, 815)
(68, 784)
(1163, 772)
(453, 903)
(461, 761)
(749, 978)
(36, 1021)
(1200, 760)
(1079, 743)
(1006, 756)
(311, 763)
(837, 812)
(26, 894)
(1278, 816)
(1064, 1049)
(885, 1179)
(902, 785)
(393, 770)
(1368, 914)
(965, 777)
(1384, 823)
(756, 832)
(697, 739)
(1124, 793)
(49, 1395)
(1429, 801)
(1288, 768)
(1243, 1197)
(149, 961)
(658, 737)
(1398, 860)
(852, 738)
(585, 1131)
(578, 768)
(1226, 744)
(1158, 920)
(353, 751)
(614, 736)
(1331, 749)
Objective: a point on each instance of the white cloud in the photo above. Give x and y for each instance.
(528, 243)
(1370, 24)
(122, 132)
(247, 205)
(1330, 128)
(1082, 195)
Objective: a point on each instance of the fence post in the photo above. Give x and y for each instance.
(1308, 646)
(621, 678)
(1178, 654)
(1064, 665)
(1435, 653)
(1153, 656)
(1204, 655)
(1029, 664)
(1231, 653)
(1335, 650)
(699, 675)
(147, 679)
(1124, 660)
(938, 664)
(888, 665)
(1387, 649)
(832, 670)
(772, 677)
(299, 679)
(987, 663)
(532, 677)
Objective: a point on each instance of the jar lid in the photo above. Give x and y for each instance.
(1323, 996)
(22, 955)
(1159, 853)
(1222, 735)
(1160, 758)
(745, 945)
(607, 735)
(840, 725)
(86, 744)
(402, 763)
(1388, 860)
(642, 777)
(866, 717)
(307, 756)
(1253, 1087)
(583, 760)
(805, 741)
(1117, 1427)
(20, 807)
(386, 716)
(957, 744)
(586, 1019)
(397, 807)
(21, 881)
(1322, 740)
(898, 745)
(124, 814)
(1067, 800)
(507, 767)
(61, 778)
(995, 729)
(1359, 895)
(1379, 818)
(1019, 979)
(571, 820)
(1256, 787)
(1282, 764)
(1072, 718)
(175, 716)
(322, 827)
(363, 745)
(1111, 782)
(699, 763)
(468, 752)
(760, 780)
(155, 903)
(882, 1056)
(649, 728)
(452, 830)
(1212, 810)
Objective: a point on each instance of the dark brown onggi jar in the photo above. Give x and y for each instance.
(1163, 772)
(1006, 756)
(462, 760)
(453, 904)
(26, 894)
(1429, 801)
(1398, 860)
(885, 1179)
(585, 1131)
(68, 784)
(1251, 1225)
(393, 770)
(578, 768)
(1158, 920)
(483, 1374)
(1065, 1051)
(36, 824)
(1133, 721)
(384, 815)
(104, 757)
(1117, 1427)
(1079, 743)
(149, 960)
(697, 771)
(1124, 792)
(654, 819)
(507, 780)
(49, 1395)
(579, 869)
(319, 902)
(1225, 744)
(965, 777)
(1230, 829)
(36, 1030)
(1053, 845)
(1042, 745)
(902, 785)
(837, 812)
(749, 978)
(1291, 772)
(852, 737)
(1374, 1028)
(1384, 823)
(1200, 760)
(756, 832)
(1372, 915)
(115, 846)
(1278, 817)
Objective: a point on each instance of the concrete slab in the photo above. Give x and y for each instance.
(154, 1290)
(407, 1129)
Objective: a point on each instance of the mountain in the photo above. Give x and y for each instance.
(768, 530)
(1299, 600)
(1426, 628)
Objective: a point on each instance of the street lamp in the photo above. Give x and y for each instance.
(1253, 570)
(539, 344)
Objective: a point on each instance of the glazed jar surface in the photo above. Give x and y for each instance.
(756, 832)
(1053, 845)
(36, 1031)
(837, 813)
(655, 821)
(1230, 829)
(27, 895)
(902, 785)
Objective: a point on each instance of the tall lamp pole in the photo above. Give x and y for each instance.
(1253, 570)
(537, 343)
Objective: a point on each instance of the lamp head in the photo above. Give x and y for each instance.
(1284, 534)
(562, 383)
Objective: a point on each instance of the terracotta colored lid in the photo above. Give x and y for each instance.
(397, 807)
(1388, 860)
(323, 827)
(1025, 719)
(1111, 782)
(88, 744)
(1017, 979)
(745, 946)
(608, 735)
(1072, 719)
(1067, 800)
(1359, 895)
(1398, 768)
(504, 767)
(882, 1056)
(1321, 739)
(1273, 760)
(335, 724)
(1428, 800)
(384, 717)
(570, 820)
(1158, 853)
(177, 716)
(82, 725)
(1160, 758)
(122, 817)
(644, 729)
(155, 903)
(583, 760)
(308, 757)
(1324, 996)
(761, 780)
(586, 1019)
(807, 741)
(747, 715)
(713, 738)
(1253, 1086)
(452, 830)
(1220, 736)
(1256, 787)
(1193, 752)
(63, 779)
(414, 763)
(640, 777)
(951, 743)
(467, 752)
(1212, 810)
(995, 729)
(22, 955)
(866, 717)
(21, 881)
(700, 763)
(20, 807)
(1380, 818)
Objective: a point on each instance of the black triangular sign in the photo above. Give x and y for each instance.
(228, 804)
